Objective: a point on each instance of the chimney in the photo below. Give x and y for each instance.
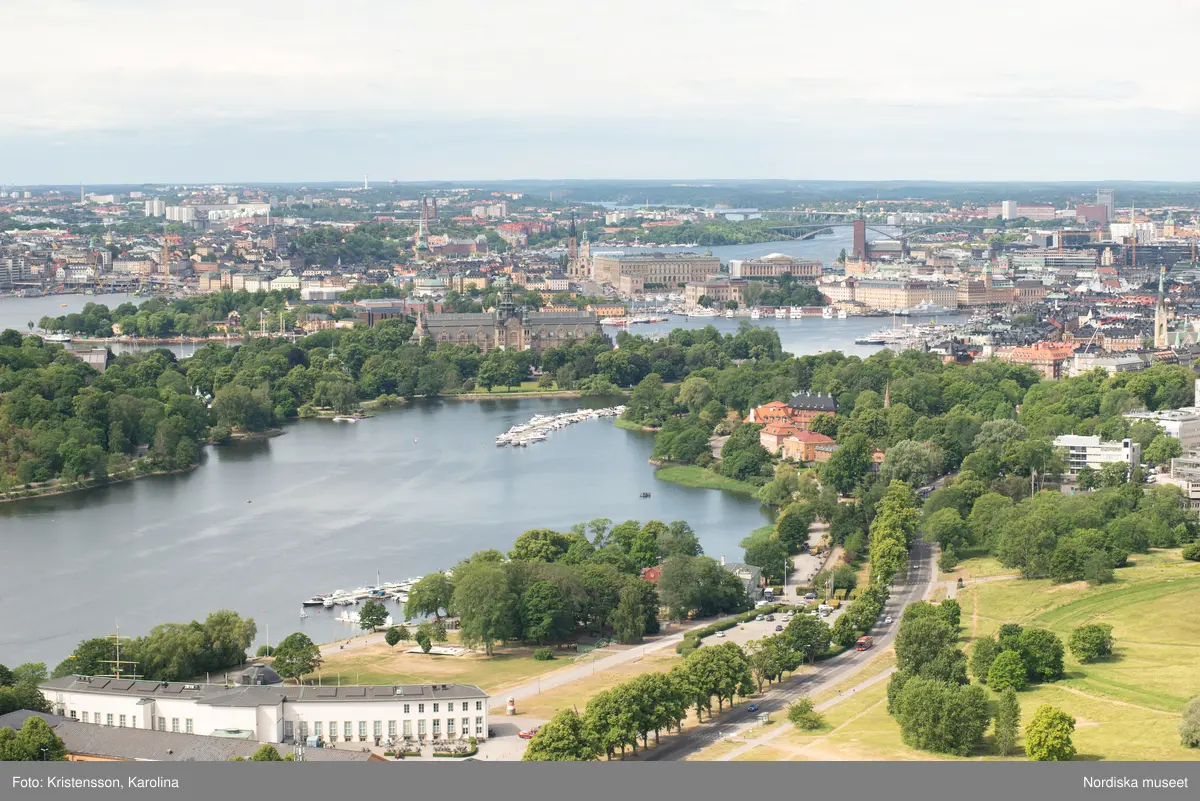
(722, 560)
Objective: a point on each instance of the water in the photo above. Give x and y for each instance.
(261, 526)
(19, 312)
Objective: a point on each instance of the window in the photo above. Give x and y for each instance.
(162, 724)
(391, 728)
(437, 727)
(377, 731)
(406, 709)
(420, 728)
(435, 707)
(72, 715)
(408, 728)
(133, 721)
(187, 725)
(174, 724)
(421, 708)
(479, 706)
(303, 727)
(479, 725)
(317, 728)
(96, 718)
(466, 726)
(362, 731)
(449, 707)
(108, 719)
(348, 731)
(333, 731)
(85, 720)
(449, 727)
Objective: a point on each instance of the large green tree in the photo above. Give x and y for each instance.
(296, 656)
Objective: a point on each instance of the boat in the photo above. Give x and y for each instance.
(781, 313)
(842, 314)
(57, 337)
(344, 419)
(645, 495)
(796, 313)
(327, 603)
(316, 600)
(827, 312)
(346, 617)
(304, 614)
(755, 314)
(729, 312)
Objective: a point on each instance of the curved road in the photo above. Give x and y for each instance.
(917, 585)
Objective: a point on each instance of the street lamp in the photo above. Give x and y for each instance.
(44, 750)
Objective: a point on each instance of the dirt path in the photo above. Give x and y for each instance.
(1104, 700)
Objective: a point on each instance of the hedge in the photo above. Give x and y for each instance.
(691, 640)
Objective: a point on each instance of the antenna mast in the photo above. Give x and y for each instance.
(118, 661)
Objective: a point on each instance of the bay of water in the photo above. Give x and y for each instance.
(258, 527)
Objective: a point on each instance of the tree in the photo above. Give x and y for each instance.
(920, 641)
(6, 677)
(1048, 735)
(628, 619)
(802, 715)
(1098, 568)
(1086, 477)
(566, 737)
(544, 612)
(296, 656)
(983, 654)
(1042, 652)
(485, 606)
(372, 615)
(1091, 642)
(35, 741)
(1163, 449)
(429, 596)
(764, 550)
(268, 753)
(941, 717)
(1008, 722)
(849, 463)
(30, 673)
(1189, 726)
(844, 632)
(808, 635)
(1007, 671)
(950, 611)
(424, 640)
(392, 637)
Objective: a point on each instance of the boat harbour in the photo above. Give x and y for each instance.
(539, 426)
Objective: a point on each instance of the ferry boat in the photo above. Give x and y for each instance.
(796, 313)
(702, 313)
(781, 313)
(57, 337)
(755, 314)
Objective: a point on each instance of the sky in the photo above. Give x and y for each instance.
(128, 91)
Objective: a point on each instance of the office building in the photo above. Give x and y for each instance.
(634, 273)
(1079, 452)
(1107, 199)
(774, 266)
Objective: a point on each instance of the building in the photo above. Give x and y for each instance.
(1107, 199)
(774, 266)
(888, 294)
(632, 273)
(1092, 213)
(183, 214)
(274, 713)
(751, 576)
(508, 327)
(807, 446)
(798, 413)
(718, 290)
(1048, 358)
(1185, 474)
(1182, 424)
(155, 208)
(1080, 451)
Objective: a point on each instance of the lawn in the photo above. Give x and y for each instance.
(702, 478)
(630, 426)
(379, 664)
(980, 566)
(575, 694)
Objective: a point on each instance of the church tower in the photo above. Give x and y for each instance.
(585, 256)
(572, 250)
(1160, 313)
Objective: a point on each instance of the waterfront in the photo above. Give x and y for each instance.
(261, 526)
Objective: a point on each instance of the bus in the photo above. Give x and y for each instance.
(863, 643)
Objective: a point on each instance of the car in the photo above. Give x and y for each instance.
(752, 708)
(529, 733)
(758, 617)
(770, 617)
(887, 619)
(779, 628)
(720, 634)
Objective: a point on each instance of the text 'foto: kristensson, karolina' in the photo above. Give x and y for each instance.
(95, 783)
(1118, 782)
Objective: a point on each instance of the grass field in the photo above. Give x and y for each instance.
(379, 664)
(702, 478)
(1126, 708)
(629, 426)
(576, 693)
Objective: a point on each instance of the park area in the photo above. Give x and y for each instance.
(1126, 707)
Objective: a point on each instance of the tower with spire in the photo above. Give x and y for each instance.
(572, 250)
(1160, 312)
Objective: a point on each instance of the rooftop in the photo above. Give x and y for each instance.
(164, 746)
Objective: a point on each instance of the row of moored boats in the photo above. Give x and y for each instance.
(539, 426)
(387, 591)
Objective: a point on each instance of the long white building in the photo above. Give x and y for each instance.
(1093, 452)
(274, 713)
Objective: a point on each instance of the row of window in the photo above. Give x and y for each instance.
(449, 707)
(107, 720)
(348, 728)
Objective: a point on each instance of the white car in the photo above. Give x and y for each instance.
(720, 634)
(887, 619)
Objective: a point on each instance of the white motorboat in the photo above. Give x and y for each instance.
(842, 314)
(781, 313)
(729, 313)
(827, 312)
(796, 313)
(755, 314)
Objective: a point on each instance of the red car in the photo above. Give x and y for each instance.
(528, 734)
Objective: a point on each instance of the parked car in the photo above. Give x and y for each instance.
(887, 619)
(720, 634)
(770, 617)
(752, 708)
(758, 617)
(529, 733)
(779, 628)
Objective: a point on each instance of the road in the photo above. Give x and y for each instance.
(917, 585)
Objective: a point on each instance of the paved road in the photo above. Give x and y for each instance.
(917, 585)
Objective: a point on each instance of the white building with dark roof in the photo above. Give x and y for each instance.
(274, 713)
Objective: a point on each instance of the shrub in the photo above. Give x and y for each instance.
(802, 715)
(1091, 642)
(1189, 727)
(1192, 551)
(983, 654)
(264, 650)
(543, 654)
(1043, 654)
(1007, 670)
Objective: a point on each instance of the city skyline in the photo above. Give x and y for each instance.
(523, 90)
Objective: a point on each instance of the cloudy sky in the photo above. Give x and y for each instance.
(293, 90)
